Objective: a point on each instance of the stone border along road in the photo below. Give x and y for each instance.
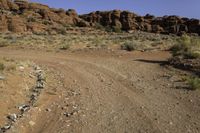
(40, 84)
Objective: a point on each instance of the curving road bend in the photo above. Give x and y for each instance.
(108, 92)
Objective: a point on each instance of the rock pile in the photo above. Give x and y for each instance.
(12, 118)
(40, 84)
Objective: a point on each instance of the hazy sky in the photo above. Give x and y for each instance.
(186, 8)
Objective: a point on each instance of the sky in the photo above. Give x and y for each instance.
(184, 8)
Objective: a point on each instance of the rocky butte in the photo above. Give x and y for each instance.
(21, 16)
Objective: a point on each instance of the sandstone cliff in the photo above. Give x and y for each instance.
(20, 16)
(127, 21)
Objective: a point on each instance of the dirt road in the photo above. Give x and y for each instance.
(109, 92)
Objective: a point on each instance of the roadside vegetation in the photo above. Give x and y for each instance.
(7, 64)
(187, 47)
(186, 56)
(94, 40)
(129, 46)
(194, 83)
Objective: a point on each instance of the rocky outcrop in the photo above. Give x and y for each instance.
(21, 16)
(3, 23)
(126, 20)
(8, 5)
(16, 24)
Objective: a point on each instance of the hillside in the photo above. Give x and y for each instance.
(20, 16)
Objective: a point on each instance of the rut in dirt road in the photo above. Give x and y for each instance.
(100, 92)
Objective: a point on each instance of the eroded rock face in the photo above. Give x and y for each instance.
(21, 16)
(126, 20)
(17, 24)
(3, 23)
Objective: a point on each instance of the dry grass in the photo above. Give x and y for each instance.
(187, 47)
(194, 83)
(106, 40)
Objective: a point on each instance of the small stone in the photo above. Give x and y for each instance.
(32, 123)
(2, 78)
(67, 114)
(12, 117)
(40, 84)
(21, 68)
(48, 110)
(6, 127)
(24, 108)
(37, 68)
(40, 77)
(171, 123)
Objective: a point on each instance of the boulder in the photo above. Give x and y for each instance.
(72, 13)
(37, 7)
(3, 23)
(16, 24)
(8, 5)
(36, 27)
(22, 4)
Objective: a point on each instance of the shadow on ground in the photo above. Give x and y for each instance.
(152, 61)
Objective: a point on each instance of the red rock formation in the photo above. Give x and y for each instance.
(22, 16)
(126, 20)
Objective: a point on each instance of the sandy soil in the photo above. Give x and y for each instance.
(109, 92)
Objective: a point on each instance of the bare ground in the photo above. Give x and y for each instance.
(107, 92)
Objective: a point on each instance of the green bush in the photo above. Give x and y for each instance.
(99, 26)
(188, 47)
(108, 29)
(116, 29)
(2, 66)
(194, 83)
(32, 19)
(65, 47)
(129, 46)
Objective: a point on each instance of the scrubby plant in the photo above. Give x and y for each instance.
(11, 67)
(188, 47)
(194, 83)
(32, 19)
(65, 46)
(99, 26)
(46, 22)
(108, 29)
(116, 29)
(129, 46)
(2, 66)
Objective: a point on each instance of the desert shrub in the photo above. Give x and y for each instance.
(3, 42)
(108, 29)
(61, 31)
(11, 67)
(116, 29)
(46, 22)
(2, 66)
(194, 83)
(188, 47)
(129, 46)
(99, 26)
(65, 46)
(11, 38)
(31, 19)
